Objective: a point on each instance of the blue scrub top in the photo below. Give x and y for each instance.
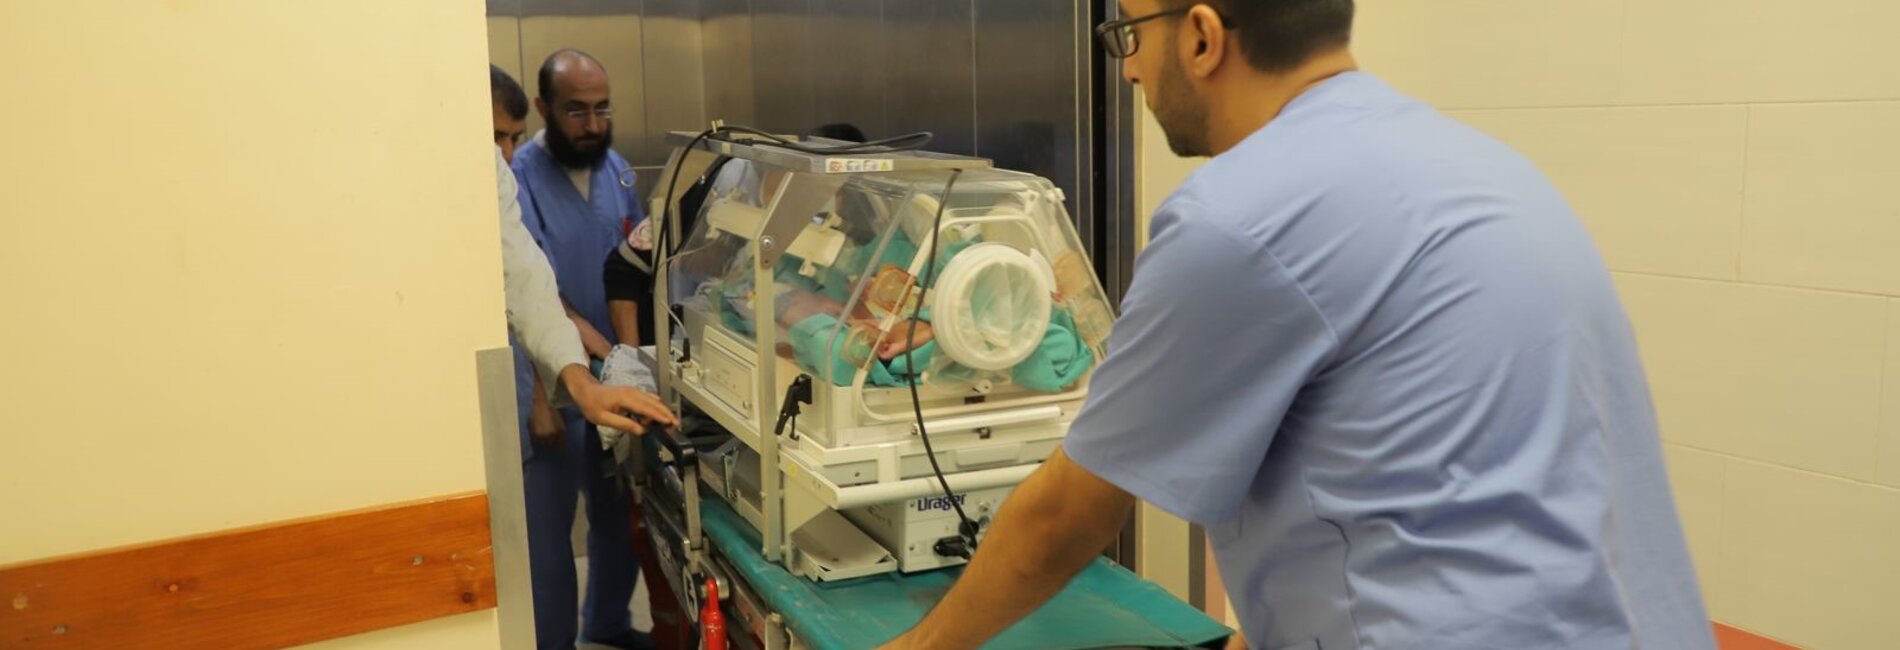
(577, 233)
(1377, 355)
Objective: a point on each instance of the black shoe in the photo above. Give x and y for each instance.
(628, 640)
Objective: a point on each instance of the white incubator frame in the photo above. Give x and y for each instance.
(848, 490)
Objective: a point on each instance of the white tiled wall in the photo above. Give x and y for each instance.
(1813, 560)
(1738, 162)
(1725, 51)
(1823, 200)
(1665, 183)
(1698, 478)
(1887, 462)
(1787, 376)
(1491, 53)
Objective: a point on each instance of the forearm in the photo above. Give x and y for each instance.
(625, 315)
(577, 379)
(1044, 535)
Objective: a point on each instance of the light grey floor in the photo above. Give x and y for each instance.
(642, 611)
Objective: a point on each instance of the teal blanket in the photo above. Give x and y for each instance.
(1059, 361)
(1106, 606)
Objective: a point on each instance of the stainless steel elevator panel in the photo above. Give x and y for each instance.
(849, 72)
(1028, 115)
(1016, 81)
(930, 47)
(727, 36)
(782, 65)
(672, 49)
(504, 36)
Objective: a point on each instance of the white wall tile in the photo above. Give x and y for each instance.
(1493, 53)
(1755, 234)
(1816, 561)
(1789, 376)
(1887, 458)
(1659, 188)
(1696, 477)
(1686, 51)
(1716, 51)
(1823, 203)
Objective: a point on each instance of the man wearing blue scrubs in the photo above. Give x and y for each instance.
(574, 201)
(545, 341)
(1375, 354)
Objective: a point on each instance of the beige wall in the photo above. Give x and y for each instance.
(250, 253)
(1736, 162)
(1739, 165)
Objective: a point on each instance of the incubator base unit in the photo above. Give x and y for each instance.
(827, 311)
(919, 531)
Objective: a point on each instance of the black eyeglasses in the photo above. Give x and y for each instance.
(1118, 36)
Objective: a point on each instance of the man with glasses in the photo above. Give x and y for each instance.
(574, 201)
(1375, 354)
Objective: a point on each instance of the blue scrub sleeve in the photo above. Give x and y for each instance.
(1215, 340)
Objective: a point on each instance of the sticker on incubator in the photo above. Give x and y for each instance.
(853, 165)
(928, 504)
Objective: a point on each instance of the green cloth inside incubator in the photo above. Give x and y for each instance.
(1060, 360)
(820, 347)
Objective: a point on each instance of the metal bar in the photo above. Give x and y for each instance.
(1197, 567)
(830, 164)
(997, 419)
(765, 322)
(858, 496)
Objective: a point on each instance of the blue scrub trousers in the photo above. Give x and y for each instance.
(554, 478)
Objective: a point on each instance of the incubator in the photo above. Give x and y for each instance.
(827, 312)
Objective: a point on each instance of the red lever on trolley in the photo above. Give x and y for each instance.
(712, 621)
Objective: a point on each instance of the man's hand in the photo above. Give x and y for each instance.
(544, 423)
(620, 407)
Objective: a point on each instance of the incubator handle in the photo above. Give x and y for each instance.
(675, 442)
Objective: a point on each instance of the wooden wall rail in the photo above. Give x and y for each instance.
(1732, 638)
(268, 586)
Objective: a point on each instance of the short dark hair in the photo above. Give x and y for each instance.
(546, 76)
(1279, 35)
(506, 93)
